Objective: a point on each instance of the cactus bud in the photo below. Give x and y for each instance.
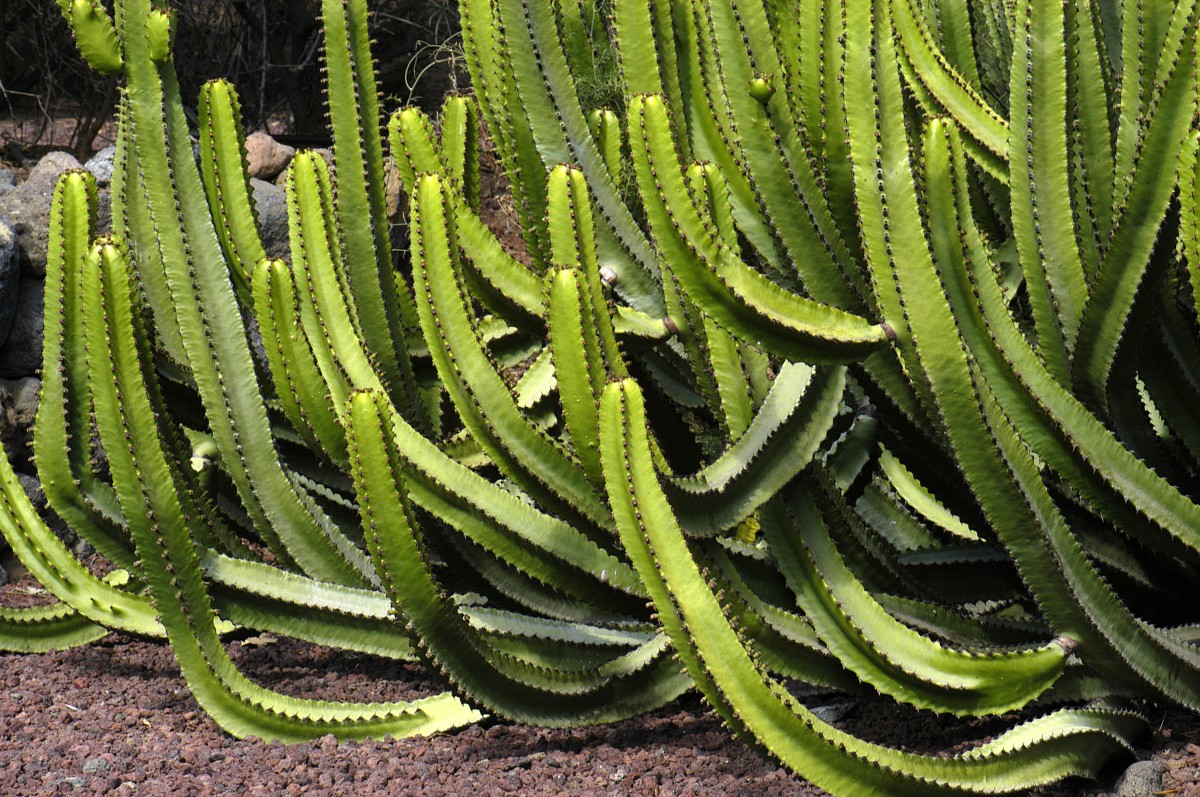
(762, 87)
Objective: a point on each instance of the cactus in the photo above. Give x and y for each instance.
(809, 374)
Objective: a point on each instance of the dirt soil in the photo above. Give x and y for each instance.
(116, 718)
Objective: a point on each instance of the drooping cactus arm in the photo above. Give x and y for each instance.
(885, 653)
(740, 299)
(46, 628)
(779, 443)
(953, 88)
(446, 640)
(754, 705)
(1061, 431)
(153, 495)
(57, 569)
(1069, 590)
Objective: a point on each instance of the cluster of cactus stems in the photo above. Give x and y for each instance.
(856, 346)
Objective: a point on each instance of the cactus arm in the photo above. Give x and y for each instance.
(709, 139)
(460, 146)
(128, 193)
(950, 86)
(1046, 244)
(520, 289)
(446, 640)
(776, 161)
(485, 44)
(606, 129)
(579, 371)
(572, 228)
(885, 653)
(923, 502)
(414, 147)
(1092, 136)
(382, 301)
(739, 299)
(95, 35)
(1169, 114)
(1189, 214)
(144, 478)
(326, 307)
(226, 179)
(302, 389)
(779, 443)
(750, 702)
(1136, 66)
(1070, 592)
(265, 598)
(62, 429)
(956, 37)
(486, 405)
(1059, 428)
(563, 136)
(724, 354)
(43, 629)
(211, 327)
(57, 569)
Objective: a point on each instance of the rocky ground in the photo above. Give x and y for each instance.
(116, 718)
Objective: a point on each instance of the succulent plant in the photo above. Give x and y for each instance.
(854, 345)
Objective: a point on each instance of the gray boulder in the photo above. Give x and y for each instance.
(101, 165)
(1141, 779)
(27, 207)
(8, 180)
(271, 202)
(10, 276)
(18, 409)
(21, 352)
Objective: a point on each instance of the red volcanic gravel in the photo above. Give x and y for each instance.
(115, 717)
